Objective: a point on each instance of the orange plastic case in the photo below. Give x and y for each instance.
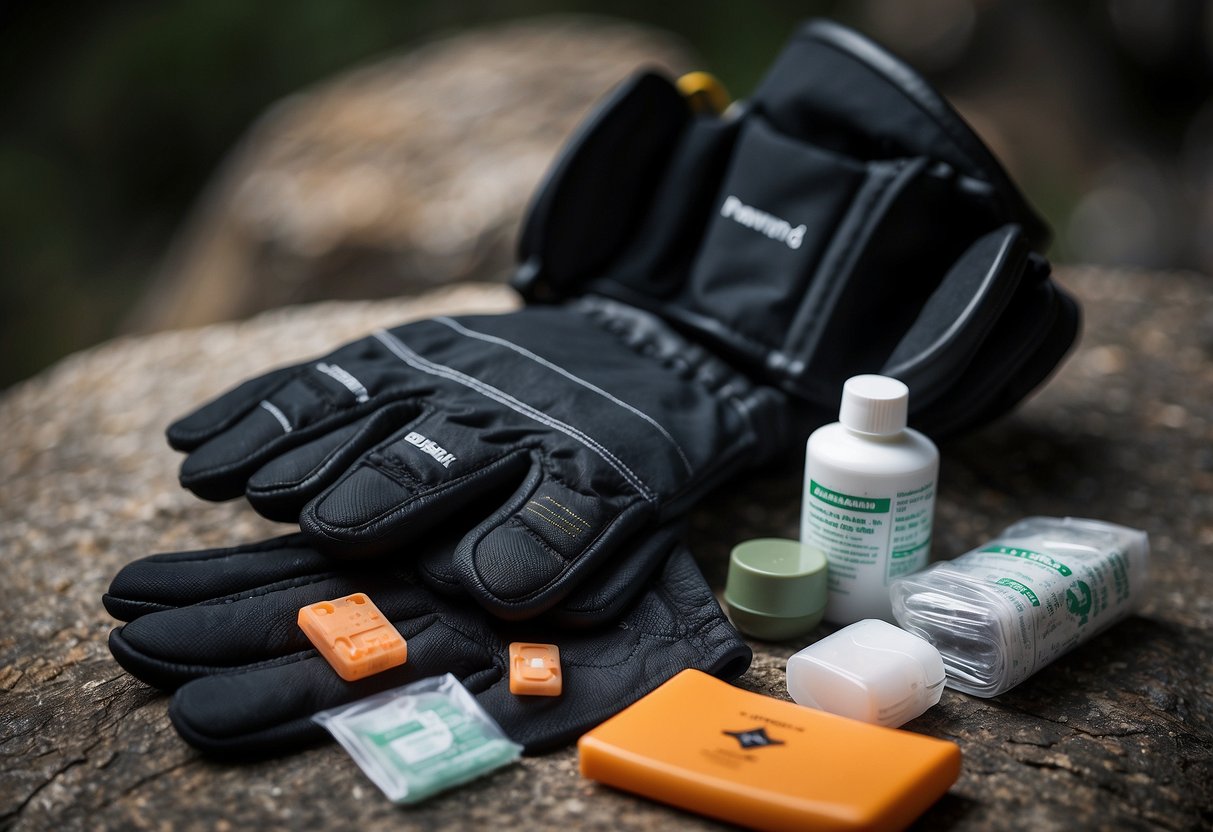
(534, 669)
(701, 744)
(353, 636)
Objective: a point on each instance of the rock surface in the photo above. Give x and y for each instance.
(1117, 735)
(408, 173)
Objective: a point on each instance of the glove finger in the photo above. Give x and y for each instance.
(602, 596)
(540, 545)
(296, 411)
(411, 484)
(218, 415)
(171, 647)
(282, 487)
(676, 624)
(251, 626)
(266, 709)
(595, 599)
(178, 579)
(311, 400)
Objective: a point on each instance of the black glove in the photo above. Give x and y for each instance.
(218, 627)
(559, 432)
(844, 219)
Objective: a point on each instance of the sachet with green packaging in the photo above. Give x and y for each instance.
(421, 739)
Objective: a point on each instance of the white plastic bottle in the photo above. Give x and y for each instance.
(869, 497)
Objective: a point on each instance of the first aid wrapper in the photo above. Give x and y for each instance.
(1008, 608)
(421, 739)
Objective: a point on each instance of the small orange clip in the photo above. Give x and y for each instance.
(353, 636)
(535, 669)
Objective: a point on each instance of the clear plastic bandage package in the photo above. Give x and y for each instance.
(1006, 609)
(420, 739)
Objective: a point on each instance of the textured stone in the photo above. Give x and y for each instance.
(1117, 735)
(405, 174)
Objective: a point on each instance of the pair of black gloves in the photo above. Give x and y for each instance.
(700, 286)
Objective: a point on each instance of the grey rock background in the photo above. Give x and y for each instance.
(1117, 735)
(403, 175)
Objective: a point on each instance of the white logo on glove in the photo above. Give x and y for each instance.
(762, 222)
(432, 448)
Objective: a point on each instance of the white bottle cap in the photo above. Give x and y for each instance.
(874, 404)
(870, 671)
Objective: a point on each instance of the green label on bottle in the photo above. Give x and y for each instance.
(869, 505)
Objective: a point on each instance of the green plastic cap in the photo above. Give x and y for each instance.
(776, 588)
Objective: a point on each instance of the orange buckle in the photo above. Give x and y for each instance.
(704, 93)
(353, 636)
(534, 669)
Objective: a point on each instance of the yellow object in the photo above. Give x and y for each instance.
(534, 669)
(353, 636)
(701, 744)
(703, 92)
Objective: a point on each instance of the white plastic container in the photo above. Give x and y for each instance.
(869, 497)
(1003, 611)
(871, 671)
